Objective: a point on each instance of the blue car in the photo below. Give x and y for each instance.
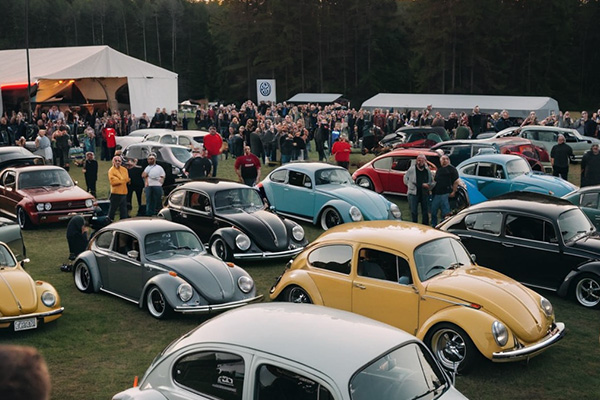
(495, 174)
(324, 195)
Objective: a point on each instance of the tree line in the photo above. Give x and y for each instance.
(355, 47)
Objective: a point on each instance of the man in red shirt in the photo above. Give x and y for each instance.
(247, 167)
(341, 150)
(213, 144)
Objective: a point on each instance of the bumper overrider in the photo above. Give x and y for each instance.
(554, 335)
(210, 308)
(39, 315)
(266, 254)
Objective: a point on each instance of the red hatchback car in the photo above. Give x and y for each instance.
(385, 174)
(42, 194)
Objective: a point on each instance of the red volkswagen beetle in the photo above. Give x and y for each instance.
(42, 194)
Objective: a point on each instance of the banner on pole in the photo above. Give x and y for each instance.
(265, 90)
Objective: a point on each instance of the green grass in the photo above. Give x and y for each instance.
(101, 342)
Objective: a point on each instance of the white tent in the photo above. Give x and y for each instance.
(314, 98)
(517, 106)
(97, 72)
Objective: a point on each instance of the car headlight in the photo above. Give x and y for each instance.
(395, 211)
(355, 214)
(298, 233)
(47, 206)
(89, 203)
(40, 207)
(185, 292)
(49, 299)
(546, 307)
(500, 333)
(175, 170)
(242, 242)
(245, 283)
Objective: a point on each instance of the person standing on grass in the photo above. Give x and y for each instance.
(560, 156)
(341, 151)
(90, 172)
(446, 184)
(247, 167)
(154, 177)
(590, 167)
(118, 177)
(199, 165)
(419, 180)
(213, 143)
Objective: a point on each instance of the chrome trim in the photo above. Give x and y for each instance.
(525, 352)
(120, 296)
(294, 216)
(205, 309)
(35, 315)
(448, 301)
(292, 252)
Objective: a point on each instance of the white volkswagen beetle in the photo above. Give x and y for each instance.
(293, 351)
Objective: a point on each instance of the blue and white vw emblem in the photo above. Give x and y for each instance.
(265, 88)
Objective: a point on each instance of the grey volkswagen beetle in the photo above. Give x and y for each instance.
(162, 266)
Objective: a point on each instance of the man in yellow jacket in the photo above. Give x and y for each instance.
(118, 178)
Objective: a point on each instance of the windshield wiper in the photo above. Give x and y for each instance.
(435, 389)
(455, 265)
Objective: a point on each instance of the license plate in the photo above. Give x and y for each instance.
(24, 324)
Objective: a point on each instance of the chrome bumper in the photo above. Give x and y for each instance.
(210, 308)
(529, 351)
(280, 254)
(34, 315)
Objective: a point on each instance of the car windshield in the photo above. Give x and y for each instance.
(333, 176)
(6, 259)
(238, 200)
(181, 154)
(574, 225)
(433, 258)
(408, 372)
(43, 178)
(163, 244)
(517, 168)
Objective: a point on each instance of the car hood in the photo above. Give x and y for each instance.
(558, 186)
(590, 244)
(264, 228)
(17, 292)
(212, 278)
(509, 301)
(51, 193)
(372, 205)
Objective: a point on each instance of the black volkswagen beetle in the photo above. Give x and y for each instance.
(539, 240)
(233, 220)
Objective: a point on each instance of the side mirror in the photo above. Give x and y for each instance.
(474, 258)
(76, 183)
(133, 254)
(307, 185)
(272, 208)
(25, 260)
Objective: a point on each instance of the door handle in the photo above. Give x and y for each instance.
(360, 286)
(507, 244)
(184, 216)
(112, 259)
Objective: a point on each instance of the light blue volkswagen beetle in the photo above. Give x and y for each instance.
(323, 194)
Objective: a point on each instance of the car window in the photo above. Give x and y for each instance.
(334, 176)
(104, 239)
(547, 136)
(276, 383)
(530, 228)
(486, 170)
(134, 152)
(176, 198)
(408, 372)
(184, 141)
(9, 179)
(401, 163)
(383, 163)
(125, 243)
(486, 222)
(168, 139)
(279, 176)
(382, 265)
(589, 200)
(6, 259)
(573, 225)
(152, 138)
(469, 169)
(244, 199)
(181, 154)
(517, 168)
(434, 257)
(161, 244)
(334, 258)
(198, 201)
(299, 179)
(218, 375)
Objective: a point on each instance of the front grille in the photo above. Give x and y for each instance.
(68, 205)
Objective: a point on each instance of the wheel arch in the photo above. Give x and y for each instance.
(339, 205)
(228, 234)
(301, 279)
(90, 259)
(166, 214)
(374, 178)
(567, 284)
(168, 286)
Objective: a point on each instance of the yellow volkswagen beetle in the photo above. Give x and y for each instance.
(423, 281)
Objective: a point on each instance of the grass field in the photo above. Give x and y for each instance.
(101, 342)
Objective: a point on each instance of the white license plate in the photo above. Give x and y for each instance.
(24, 324)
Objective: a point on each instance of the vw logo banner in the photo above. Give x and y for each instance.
(265, 90)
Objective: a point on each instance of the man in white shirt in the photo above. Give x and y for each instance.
(154, 177)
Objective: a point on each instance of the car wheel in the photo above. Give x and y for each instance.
(587, 291)
(295, 294)
(157, 304)
(330, 218)
(452, 346)
(365, 182)
(23, 218)
(220, 249)
(83, 277)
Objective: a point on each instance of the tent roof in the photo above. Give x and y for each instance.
(315, 98)
(74, 63)
(517, 106)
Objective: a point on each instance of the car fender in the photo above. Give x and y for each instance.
(534, 189)
(377, 186)
(90, 259)
(475, 322)
(297, 278)
(591, 267)
(475, 196)
(135, 393)
(166, 214)
(168, 284)
(228, 234)
(340, 205)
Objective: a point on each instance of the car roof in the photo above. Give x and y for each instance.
(529, 202)
(27, 168)
(156, 144)
(309, 166)
(146, 225)
(335, 342)
(412, 152)
(498, 158)
(458, 142)
(211, 185)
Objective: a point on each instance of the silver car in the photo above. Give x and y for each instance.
(293, 351)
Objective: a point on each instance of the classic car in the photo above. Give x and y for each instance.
(424, 281)
(460, 150)
(537, 156)
(541, 241)
(161, 266)
(136, 136)
(424, 136)
(24, 303)
(187, 138)
(324, 195)
(587, 199)
(335, 355)
(233, 220)
(547, 137)
(42, 194)
(495, 174)
(173, 154)
(17, 155)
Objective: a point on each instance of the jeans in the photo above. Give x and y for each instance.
(286, 158)
(413, 203)
(153, 198)
(439, 202)
(215, 162)
(117, 201)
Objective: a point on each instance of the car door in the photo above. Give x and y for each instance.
(395, 180)
(382, 288)
(8, 196)
(491, 179)
(298, 195)
(480, 233)
(125, 273)
(197, 214)
(330, 267)
(276, 187)
(383, 167)
(589, 204)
